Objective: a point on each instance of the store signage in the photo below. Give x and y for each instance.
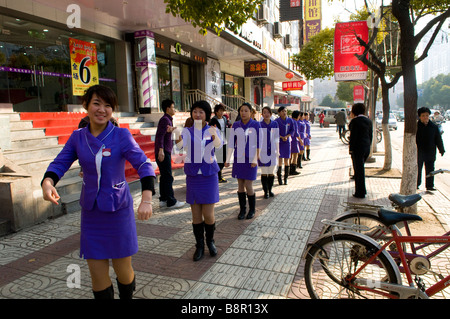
(256, 68)
(358, 93)
(313, 18)
(84, 64)
(347, 67)
(291, 10)
(293, 85)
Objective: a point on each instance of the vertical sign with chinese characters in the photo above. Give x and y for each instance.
(347, 67)
(358, 94)
(313, 18)
(84, 65)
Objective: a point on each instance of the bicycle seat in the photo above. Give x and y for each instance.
(389, 217)
(405, 200)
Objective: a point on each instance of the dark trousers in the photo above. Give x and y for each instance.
(341, 129)
(358, 160)
(429, 167)
(166, 179)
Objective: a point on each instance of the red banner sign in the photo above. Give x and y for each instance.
(347, 67)
(358, 93)
(293, 85)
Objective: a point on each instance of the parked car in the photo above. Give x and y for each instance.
(392, 121)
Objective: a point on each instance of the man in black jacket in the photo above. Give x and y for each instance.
(361, 132)
(428, 139)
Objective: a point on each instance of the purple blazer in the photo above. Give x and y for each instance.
(103, 161)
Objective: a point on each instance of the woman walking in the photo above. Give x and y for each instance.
(108, 226)
(269, 151)
(286, 127)
(295, 144)
(243, 142)
(201, 168)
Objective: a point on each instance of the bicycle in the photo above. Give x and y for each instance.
(345, 136)
(349, 264)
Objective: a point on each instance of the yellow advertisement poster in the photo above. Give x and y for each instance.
(313, 10)
(84, 64)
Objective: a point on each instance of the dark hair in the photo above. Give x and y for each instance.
(103, 92)
(205, 106)
(295, 114)
(247, 105)
(358, 109)
(266, 108)
(218, 107)
(166, 104)
(281, 108)
(423, 109)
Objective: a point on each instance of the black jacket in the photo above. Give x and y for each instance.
(427, 139)
(361, 133)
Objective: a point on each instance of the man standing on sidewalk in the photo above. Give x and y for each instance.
(360, 140)
(341, 121)
(428, 138)
(163, 151)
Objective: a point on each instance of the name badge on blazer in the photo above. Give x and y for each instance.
(106, 152)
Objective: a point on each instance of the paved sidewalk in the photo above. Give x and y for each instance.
(258, 258)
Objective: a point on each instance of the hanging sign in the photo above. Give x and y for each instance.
(256, 68)
(293, 85)
(347, 67)
(84, 65)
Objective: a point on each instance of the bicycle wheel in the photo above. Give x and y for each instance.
(345, 137)
(333, 259)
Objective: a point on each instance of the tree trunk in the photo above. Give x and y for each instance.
(385, 126)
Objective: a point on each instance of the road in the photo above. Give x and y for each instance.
(442, 181)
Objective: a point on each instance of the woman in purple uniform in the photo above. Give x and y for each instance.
(201, 168)
(244, 144)
(295, 144)
(286, 127)
(268, 155)
(108, 226)
(307, 137)
(302, 133)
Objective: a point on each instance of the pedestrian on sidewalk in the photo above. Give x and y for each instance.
(295, 144)
(243, 145)
(302, 134)
(308, 137)
(321, 119)
(108, 226)
(269, 151)
(163, 153)
(201, 168)
(428, 138)
(222, 123)
(287, 130)
(359, 146)
(341, 121)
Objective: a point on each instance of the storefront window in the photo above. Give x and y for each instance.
(35, 72)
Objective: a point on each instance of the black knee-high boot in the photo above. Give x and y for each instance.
(264, 185)
(251, 205)
(299, 161)
(126, 291)
(270, 180)
(293, 171)
(308, 152)
(286, 174)
(199, 233)
(242, 204)
(280, 180)
(209, 234)
(107, 293)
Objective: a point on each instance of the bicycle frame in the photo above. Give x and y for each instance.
(431, 291)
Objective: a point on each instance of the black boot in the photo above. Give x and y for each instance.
(270, 180)
(126, 291)
(242, 203)
(107, 293)
(308, 152)
(280, 181)
(303, 157)
(264, 185)
(251, 205)
(293, 171)
(209, 234)
(199, 233)
(299, 161)
(286, 174)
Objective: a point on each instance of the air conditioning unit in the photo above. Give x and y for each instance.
(277, 30)
(288, 41)
(263, 14)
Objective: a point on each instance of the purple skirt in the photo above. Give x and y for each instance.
(202, 189)
(295, 146)
(285, 149)
(307, 142)
(244, 171)
(108, 235)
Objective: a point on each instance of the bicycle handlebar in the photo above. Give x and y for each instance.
(442, 170)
